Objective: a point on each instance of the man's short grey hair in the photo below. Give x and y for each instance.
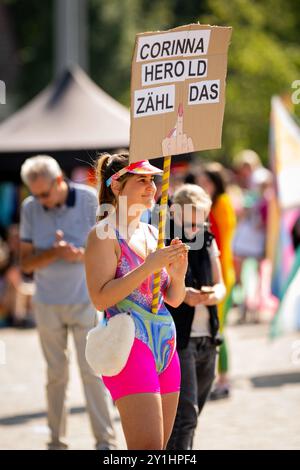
(41, 166)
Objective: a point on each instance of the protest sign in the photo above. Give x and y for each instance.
(178, 91)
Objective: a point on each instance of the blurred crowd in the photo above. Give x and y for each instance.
(16, 288)
(239, 220)
(240, 195)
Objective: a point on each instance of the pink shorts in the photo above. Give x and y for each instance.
(140, 375)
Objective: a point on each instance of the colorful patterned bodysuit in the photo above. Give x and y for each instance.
(153, 364)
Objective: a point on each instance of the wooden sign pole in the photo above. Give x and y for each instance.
(162, 227)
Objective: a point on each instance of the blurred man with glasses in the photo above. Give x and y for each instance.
(55, 221)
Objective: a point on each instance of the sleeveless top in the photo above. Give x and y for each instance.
(157, 331)
(141, 296)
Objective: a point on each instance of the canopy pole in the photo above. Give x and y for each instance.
(162, 227)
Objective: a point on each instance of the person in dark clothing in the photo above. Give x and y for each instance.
(196, 319)
(296, 234)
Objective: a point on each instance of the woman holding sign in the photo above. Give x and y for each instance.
(121, 259)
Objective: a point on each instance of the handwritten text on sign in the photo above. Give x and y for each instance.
(172, 73)
(154, 101)
(160, 50)
(163, 46)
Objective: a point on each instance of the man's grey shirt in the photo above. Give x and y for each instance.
(60, 282)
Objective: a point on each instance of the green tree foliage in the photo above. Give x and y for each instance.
(264, 56)
(264, 60)
(113, 26)
(32, 29)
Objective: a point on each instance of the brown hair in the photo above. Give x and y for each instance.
(106, 166)
(215, 172)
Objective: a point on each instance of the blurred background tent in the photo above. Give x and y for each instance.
(69, 119)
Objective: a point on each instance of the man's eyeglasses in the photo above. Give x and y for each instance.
(45, 194)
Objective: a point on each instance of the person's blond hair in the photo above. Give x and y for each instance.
(192, 194)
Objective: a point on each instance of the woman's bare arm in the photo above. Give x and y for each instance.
(101, 264)
(175, 293)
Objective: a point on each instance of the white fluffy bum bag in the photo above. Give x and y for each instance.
(108, 346)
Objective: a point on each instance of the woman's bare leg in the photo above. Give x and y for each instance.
(169, 405)
(142, 420)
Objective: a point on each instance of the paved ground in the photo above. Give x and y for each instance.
(262, 413)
